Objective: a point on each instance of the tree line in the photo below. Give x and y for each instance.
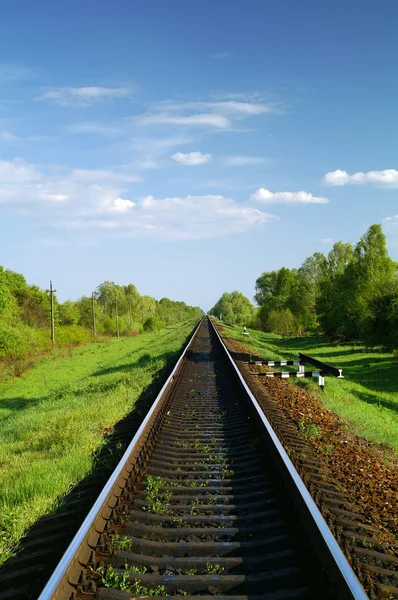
(349, 294)
(25, 317)
(234, 308)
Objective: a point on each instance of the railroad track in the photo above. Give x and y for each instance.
(204, 502)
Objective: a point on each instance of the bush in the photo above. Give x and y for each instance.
(133, 329)
(109, 326)
(153, 324)
(72, 335)
(381, 326)
(282, 322)
(19, 347)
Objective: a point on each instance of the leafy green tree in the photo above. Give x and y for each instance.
(69, 313)
(381, 327)
(133, 302)
(276, 290)
(153, 324)
(331, 301)
(34, 306)
(306, 290)
(282, 321)
(265, 287)
(235, 308)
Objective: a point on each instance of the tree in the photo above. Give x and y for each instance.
(133, 302)
(276, 290)
(235, 308)
(306, 290)
(69, 313)
(265, 287)
(354, 281)
(34, 306)
(330, 303)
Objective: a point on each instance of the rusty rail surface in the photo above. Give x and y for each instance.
(204, 501)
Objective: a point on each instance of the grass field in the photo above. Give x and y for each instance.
(367, 397)
(54, 420)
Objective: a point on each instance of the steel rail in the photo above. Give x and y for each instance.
(50, 590)
(325, 367)
(348, 583)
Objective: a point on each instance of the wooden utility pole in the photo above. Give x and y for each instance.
(93, 311)
(117, 318)
(131, 316)
(52, 292)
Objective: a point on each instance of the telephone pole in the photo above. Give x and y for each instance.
(130, 314)
(93, 312)
(52, 292)
(117, 318)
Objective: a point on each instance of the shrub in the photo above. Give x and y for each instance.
(19, 347)
(109, 326)
(72, 335)
(381, 325)
(153, 324)
(282, 321)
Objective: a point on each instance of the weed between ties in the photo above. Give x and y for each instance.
(115, 580)
(158, 502)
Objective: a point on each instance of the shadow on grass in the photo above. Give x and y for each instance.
(371, 362)
(383, 378)
(44, 544)
(350, 352)
(19, 404)
(380, 402)
(143, 361)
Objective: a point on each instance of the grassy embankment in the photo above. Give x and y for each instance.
(54, 419)
(367, 398)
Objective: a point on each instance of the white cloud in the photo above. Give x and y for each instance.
(242, 161)
(245, 108)
(8, 137)
(387, 178)
(90, 175)
(99, 200)
(17, 171)
(212, 120)
(120, 205)
(267, 197)
(220, 55)
(390, 227)
(327, 241)
(223, 107)
(191, 158)
(226, 184)
(196, 217)
(178, 218)
(96, 128)
(13, 72)
(83, 96)
(80, 191)
(219, 115)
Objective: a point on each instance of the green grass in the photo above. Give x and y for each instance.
(54, 420)
(367, 397)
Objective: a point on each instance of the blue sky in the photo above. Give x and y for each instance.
(188, 147)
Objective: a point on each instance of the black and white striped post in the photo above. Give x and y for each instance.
(303, 359)
(302, 373)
